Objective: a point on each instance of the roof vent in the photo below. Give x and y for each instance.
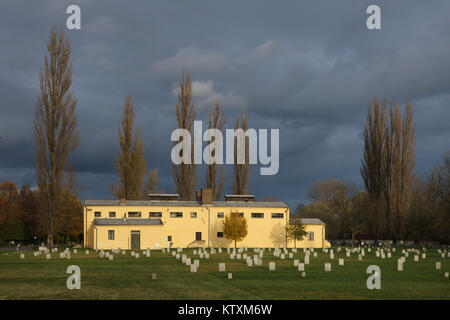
(163, 196)
(240, 197)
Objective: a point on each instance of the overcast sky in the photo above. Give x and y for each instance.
(308, 68)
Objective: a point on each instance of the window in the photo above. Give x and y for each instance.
(219, 234)
(134, 214)
(97, 214)
(169, 238)
(241, 214)
(176, 214)
(220, 215)
(257, 215)
(155, 214)
(110, 234)
(193, 214)
(277, 215)
(112, 214)
(311, 236)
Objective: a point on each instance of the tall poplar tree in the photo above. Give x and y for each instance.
(55, 127)
(185, 174)
(214, 172)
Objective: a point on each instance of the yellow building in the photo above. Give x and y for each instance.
(163, 221)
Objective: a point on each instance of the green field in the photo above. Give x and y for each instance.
(130, 278)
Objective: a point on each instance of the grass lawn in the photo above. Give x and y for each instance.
(130, 278)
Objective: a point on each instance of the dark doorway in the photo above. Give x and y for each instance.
(198, 236)
(135, 240)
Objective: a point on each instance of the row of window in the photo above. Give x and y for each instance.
(111, 235)
(255, 215)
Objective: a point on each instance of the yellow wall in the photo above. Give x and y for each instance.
(319, 238)
(262, 232)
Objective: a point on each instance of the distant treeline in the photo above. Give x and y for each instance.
(22, 220)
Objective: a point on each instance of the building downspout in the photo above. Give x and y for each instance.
(95, 230)
(84, 226)
(209, 224)
(323, 236)
(285, 229)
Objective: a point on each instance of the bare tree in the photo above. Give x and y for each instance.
(185, 174)
(130, 163)
(402, 157)
(241, 172)
(372, 169)
(388, 165)
(55, 126)
(152, 183)
(215, 177)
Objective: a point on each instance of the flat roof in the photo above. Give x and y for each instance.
(311, 221)
(127, 222)
(156, 203)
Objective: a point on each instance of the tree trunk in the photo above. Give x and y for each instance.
(353, 239)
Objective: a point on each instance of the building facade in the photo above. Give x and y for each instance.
(164, 221)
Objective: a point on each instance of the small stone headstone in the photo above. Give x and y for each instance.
(306, 261)
(341, 262)
(193, 268)
(48, 256)
(301, 267)
(272, 266)
(111, 257)
(282, 256)
(438, 265)
(188, 261)
(230, 276)
(315, 254)
(22, 256)
(136, 255)
(303, 274)
(291, 255)
(416, 258)
(359, 257)
(400, 265)
(327, 267)
(153, 276)
(331, 255)
(296, 262)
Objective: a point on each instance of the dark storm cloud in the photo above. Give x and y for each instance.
(307, 67)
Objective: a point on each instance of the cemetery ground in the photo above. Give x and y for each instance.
(127, 277)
